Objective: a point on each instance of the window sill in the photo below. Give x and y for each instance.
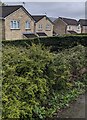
(39, 29)
(14, 28)
(48, 29)
(27, 28)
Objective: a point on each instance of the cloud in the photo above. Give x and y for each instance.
(56, 9)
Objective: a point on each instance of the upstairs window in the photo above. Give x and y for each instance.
(40, 26)
(15, 24)
(79, 27)
(27, 25)
(69, 27)
(48, 27)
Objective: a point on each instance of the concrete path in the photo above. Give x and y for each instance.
(76, 110)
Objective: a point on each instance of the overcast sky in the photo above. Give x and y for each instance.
(55, 9)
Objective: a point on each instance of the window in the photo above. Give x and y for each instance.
(69, 27)
(15, 24)
(27, 25)
(48, 27)
(40, 26)
(78, 27)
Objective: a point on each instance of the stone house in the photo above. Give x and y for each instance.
(83, 24)
(66, 26)
(18, 23)
(43, 25)
(2, 36)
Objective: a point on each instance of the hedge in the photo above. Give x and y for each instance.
(56, 43)
(37, 83)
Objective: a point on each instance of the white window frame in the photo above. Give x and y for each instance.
(27, 25)
(15, 24)
(69, 27)
(40, 26)
(78, 27)
(48, 27)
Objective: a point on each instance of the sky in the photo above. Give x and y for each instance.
(55, 9)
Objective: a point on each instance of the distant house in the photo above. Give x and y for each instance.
(16, 22)
(66, 26)
(43, 25)
(2, 33)
(83, 24)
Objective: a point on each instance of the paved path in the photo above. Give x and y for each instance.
(76, 110)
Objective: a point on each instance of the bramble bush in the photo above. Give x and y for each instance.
(34, 79)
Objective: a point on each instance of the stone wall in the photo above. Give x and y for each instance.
(22, 16)
(44, 21)
(59, 27)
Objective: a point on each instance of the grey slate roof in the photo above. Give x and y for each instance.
(69, 21)
(83, 22)
(29, 35)
(7, 10)
(41, 34)
(38, 17)
(72, 32)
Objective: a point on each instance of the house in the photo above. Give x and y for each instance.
(43, 25)
(1, 28)
(83, 24)
(66, 26)
(16, 22)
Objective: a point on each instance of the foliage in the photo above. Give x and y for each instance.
(36, 82)
(57, 43)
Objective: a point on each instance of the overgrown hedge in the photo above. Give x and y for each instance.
(56, 43)
(36, 82)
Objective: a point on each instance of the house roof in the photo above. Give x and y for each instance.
(52, 19)
(41, 34)
(72, 32)
(69, 21)
(39, 17)
(83, 22)
(7, 10)
(29, 35)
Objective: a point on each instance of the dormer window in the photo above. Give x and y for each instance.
(15, 24)
(27, 25)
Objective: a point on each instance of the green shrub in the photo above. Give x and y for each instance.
(32, 76)
(56, 43)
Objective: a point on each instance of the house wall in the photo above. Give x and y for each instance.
(74, 28)
(44, 22)
(84, 29)
(59, 27)
(2, 29)
(19, 15)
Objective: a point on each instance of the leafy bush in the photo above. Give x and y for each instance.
(32, 76)
(56, 43)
